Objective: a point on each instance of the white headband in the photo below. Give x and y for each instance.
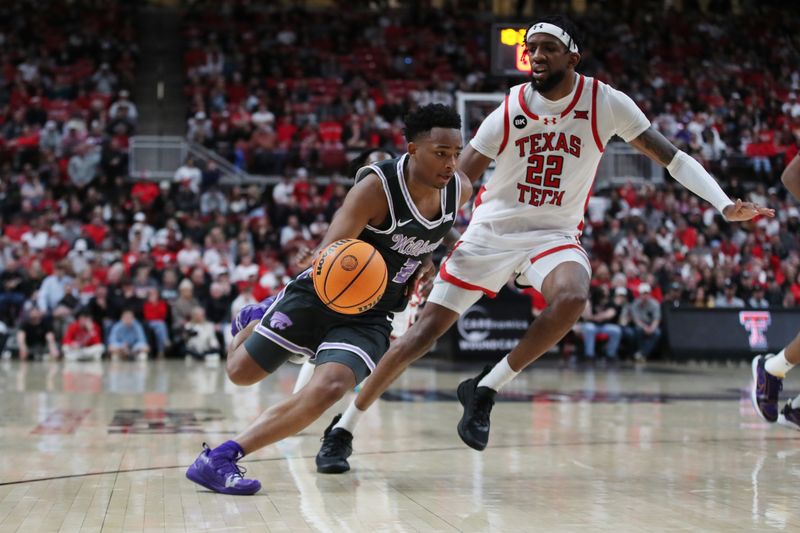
(555, 31)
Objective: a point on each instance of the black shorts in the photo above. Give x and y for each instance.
(299, 323)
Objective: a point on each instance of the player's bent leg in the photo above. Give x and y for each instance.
(566, 288)
(330, 382)
(217, 469)
(434, 321)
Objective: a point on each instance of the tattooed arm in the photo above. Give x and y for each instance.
(691, 174)
(655, 146)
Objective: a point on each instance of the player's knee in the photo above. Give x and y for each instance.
(571, 303)
(330, 390)
(415, 343)
(237, 372)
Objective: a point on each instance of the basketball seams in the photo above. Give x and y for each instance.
(353, 279)
(330, 269)
(381, 288)
(350, 284)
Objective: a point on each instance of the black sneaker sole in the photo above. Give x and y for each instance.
(336, 468)
(463, 397)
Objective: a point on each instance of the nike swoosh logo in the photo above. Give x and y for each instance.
(404, 222)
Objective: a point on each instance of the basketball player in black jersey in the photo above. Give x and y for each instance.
(404, 207)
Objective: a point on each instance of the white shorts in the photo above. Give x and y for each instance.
(471, 270)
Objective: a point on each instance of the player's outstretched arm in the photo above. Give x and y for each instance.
(791, 177)
(691, 174)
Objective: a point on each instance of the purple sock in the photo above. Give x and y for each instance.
(228, 448)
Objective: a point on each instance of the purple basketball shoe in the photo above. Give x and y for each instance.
(217, 470)
(248, 313)
(765, 390)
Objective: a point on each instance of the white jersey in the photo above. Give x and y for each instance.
(546, 154)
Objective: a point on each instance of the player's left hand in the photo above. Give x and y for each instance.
(741, 211)
(421, 280)
(305, 256)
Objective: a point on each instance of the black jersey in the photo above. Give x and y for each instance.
(405, 236)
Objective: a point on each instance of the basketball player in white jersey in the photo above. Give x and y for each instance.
(770, 370)
(546, 138)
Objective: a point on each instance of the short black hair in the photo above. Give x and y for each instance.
(565, 24)
(428, 117)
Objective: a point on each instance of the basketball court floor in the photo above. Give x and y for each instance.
(104, 447)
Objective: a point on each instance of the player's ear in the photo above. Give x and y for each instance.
(412, 148)
(574, 59)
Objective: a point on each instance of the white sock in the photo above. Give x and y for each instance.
(778, 366)
(796, 402)
(350, 418)
(500, 374)
(304, 376)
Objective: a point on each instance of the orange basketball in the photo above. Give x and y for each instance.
(350, 276)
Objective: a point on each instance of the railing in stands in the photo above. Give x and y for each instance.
(622, 163)
(158, 157)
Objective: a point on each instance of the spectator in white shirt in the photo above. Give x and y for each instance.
(123, 102)
(188, 175)
(201, 337)
(294, 231)
(263, 116)
(189, 256)
(283, 191)
(246, 270)
(142, 229)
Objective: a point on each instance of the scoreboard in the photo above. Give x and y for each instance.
(508, 50)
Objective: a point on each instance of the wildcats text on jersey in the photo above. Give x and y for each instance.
(413, 246)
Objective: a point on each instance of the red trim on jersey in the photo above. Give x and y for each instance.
(575, 99)
(505, 128)
(558, 249)
(478, 199)
(449, 278)
(523, 105)
(594, 117)
(586, 203)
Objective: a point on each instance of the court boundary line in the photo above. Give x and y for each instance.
(419, 450)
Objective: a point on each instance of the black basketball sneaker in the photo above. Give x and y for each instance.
(337, 445)
(473, 428)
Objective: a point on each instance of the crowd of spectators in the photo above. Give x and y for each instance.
(151, 268)
(272, 88)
